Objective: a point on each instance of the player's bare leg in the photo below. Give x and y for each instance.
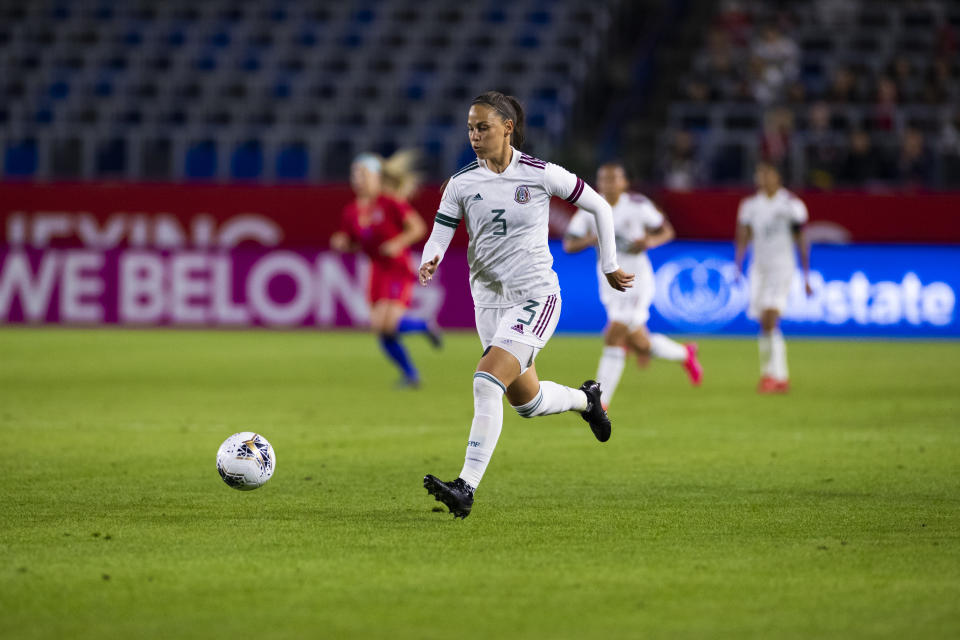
(384, 317)
(773, 354)
(657, 345)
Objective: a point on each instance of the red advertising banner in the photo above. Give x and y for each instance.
(172, 216)
(834, 216)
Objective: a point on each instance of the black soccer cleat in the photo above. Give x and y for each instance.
(434, 336)
(457, 495)
(595, 415)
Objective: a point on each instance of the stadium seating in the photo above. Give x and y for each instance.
(276, 90)
(886, 68)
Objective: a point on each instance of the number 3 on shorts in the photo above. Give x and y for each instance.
(531, 308)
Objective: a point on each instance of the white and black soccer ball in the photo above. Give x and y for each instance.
(246, 461)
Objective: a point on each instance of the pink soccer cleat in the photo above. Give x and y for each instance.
(692, 365)
(767, 385)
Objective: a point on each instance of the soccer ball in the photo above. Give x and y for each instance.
(246, 461)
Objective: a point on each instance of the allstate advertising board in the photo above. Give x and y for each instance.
(859, 290)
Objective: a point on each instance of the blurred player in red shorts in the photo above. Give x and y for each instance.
(384, 226)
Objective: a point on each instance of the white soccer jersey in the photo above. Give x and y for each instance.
(771, 220)
(506, 216)
(633, 214)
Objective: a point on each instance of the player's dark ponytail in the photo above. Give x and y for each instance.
(509, 108)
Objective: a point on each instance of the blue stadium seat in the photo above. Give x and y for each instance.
(20, 158)
(293, 161)
(201, 160)
(246, 161)
(59, 90)
(111, 157)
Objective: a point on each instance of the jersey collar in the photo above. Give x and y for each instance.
(514, 161)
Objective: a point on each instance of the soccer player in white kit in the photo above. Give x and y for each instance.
(772, 219)
(638, 227)
(504, 199)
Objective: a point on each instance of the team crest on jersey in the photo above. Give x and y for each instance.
(522, 194)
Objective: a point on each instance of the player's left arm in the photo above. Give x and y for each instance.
(798, 231)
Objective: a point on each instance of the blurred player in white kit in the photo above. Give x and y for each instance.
(638, 226)
(772, 219)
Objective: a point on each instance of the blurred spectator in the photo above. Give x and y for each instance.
(862, 164)
(822, 148)
(884, 113)
(680, 170)
(734, 19)
(901, 72)
(774, 64)
(949, 140)
(797, 94)
(843, 87)
(939, 86)
(950, 134)
(834, 13)
(775, 139)
(698, 90)
(721, 66)
(915, 163)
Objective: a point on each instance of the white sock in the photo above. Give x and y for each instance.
(764, 346)
(609, 371)
(553, 398)
(486, 427)
(663, 347)
(778, 356)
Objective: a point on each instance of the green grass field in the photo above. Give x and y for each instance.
(833, 512)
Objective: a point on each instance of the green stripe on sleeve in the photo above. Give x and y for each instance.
(446, 221)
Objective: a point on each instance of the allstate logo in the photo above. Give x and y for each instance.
(700, 295)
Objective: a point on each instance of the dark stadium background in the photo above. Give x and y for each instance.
(157, 124)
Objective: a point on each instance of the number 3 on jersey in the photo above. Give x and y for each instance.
(502, 231)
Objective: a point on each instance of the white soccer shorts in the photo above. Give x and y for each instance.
(523, 329)
(630, 307)
(769, 290)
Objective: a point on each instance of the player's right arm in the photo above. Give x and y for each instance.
(448, 217)
(799, 218)
(578, 235)
(744, 235)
